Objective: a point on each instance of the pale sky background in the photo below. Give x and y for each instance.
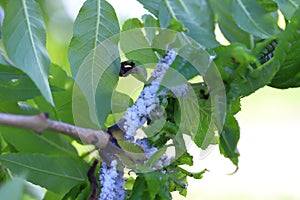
(269, 143)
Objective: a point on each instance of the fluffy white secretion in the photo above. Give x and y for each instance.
(136, 115)
(164, 161)
(180, 90)
(119, 186)
(148, 149)
(112, 182)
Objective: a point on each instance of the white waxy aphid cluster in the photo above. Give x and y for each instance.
(180, 90)
(112, 182)
(149, 150)
(136, 115)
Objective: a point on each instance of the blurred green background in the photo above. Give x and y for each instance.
(269, 121)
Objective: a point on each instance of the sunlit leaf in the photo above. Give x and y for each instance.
(196, 16)
(134, 43)
(227, 24)
(95, 22)
(288, 7)
(24, 37)
(253, 18)
(96, 69)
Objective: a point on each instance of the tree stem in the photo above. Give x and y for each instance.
(39, 123)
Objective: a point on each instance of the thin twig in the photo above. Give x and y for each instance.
(93, 181)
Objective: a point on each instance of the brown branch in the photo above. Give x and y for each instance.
(39, 123)
(100, 139)
(93, 181)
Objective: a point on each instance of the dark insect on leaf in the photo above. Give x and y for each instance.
(125, 71)
(268, 52)
(203, 91)
(204, 94)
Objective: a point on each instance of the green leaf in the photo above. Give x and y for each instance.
(152, 161)
(189, 112)
(15, 85)
(178, 181)
(58, 174)
(207, 125)
(253, 18)
(62, 97)
(195, 175)
(16, 185)
(151, 27)
(47, 143)
(287, 52)
(190, 62)
(269, 5)
(76, 191)
(96, 69)
(226, 23)
(120, 102)
(288, 7)
(52, 196)
(229, 139)
(4, 60)
(139, 190)
(22, 140)
(156, 187)
(17, 108)
(24, 37)
(184, 159)
(84, 194)
(176, 26)
(132, 150)
(230, 57)
(95, 22)
(151, 6)
(241, 70)
(247, 80)
(196, 16)
(134, 43)
(153, 185)
(1, 20)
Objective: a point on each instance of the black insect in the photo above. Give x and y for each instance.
(204, 94)
(125, 71)
(268, 52)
